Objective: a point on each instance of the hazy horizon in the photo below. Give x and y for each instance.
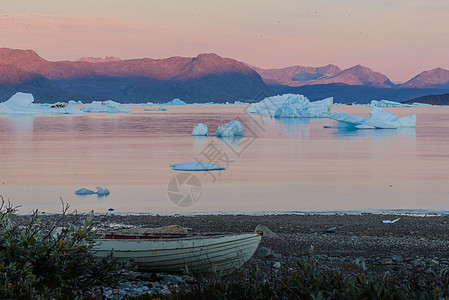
(397, 38)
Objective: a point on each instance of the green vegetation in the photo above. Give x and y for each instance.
(309, 280)
(44, 259)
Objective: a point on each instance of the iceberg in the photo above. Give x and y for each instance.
(388, 103)
(84, 191)
(108, 106)
(22, 104)
(291, 106)
(102, 191)
(161, 108)
(176, 101)
(231, 129)
(199, 130)
(73, 102)
(379, 119)
(196, 166)
(418, 104)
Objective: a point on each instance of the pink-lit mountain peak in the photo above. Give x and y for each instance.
(437, 77)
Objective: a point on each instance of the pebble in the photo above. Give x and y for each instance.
(386, 261)
(264, 252)
(331, 230)
(434, 262)
(164, 284)
(397, 258)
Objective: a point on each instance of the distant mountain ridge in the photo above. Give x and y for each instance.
(437, 78)
(356, 84)
(99, 59)
(205, 78)
(13, 79)
(296, 76)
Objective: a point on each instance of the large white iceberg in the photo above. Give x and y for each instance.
(231, 129)
(108, 106)
(379, 119)
(196, 166)
(22, 104)
(199, 130)
(291, 106)
(176, 101)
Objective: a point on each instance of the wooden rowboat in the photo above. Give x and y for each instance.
(222, 254)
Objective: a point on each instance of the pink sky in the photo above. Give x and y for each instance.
(398, 38)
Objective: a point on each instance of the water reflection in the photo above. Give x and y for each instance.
(99, 198)
(231, 140)
(18, 127)
(288, 164)
(295, 127)
(375, 134)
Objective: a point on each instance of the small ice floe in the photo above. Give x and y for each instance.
(176, 101)
(161, 108)
(73, 102)
(379, 119)
(84, 191)
(196, 166)
(390, 221)
(231, 129)
(417, 104)
(100, 191)
(199, 130)
(388, 103)
(108, 106)
(291, 106)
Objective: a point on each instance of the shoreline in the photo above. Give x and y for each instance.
(412, 234)
(412, 247)
(380, 212)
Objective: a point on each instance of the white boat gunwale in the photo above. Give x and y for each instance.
(164, 252)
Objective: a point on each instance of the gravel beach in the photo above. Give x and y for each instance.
(363, 235)
(413, 245)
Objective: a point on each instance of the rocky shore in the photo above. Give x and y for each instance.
(410, 248)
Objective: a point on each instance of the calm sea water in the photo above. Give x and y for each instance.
(279, 165)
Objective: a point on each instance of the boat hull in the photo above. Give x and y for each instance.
(221, 254)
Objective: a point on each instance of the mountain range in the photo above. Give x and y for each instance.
(356, 84)
(207, 77)
(204, 78)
